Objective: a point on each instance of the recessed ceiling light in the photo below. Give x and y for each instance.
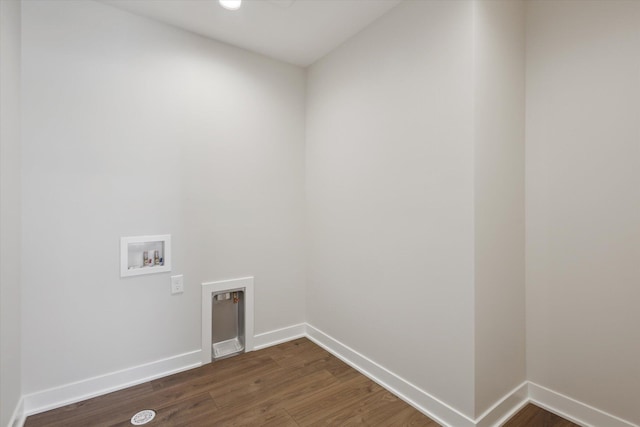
(231, 4)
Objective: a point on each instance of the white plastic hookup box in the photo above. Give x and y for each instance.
(134, 248)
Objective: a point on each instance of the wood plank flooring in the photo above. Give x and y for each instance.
(292, 384)
(533, 416)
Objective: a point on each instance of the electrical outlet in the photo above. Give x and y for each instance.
(177, 284)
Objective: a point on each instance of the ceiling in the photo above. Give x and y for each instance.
(295, 31)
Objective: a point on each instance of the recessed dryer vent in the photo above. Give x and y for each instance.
(227, 318)
(227, 324)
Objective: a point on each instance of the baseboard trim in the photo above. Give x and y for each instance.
(413, 395)
(279, 336)
(56, 397)
(45, 400)
(505, 408)
(17, 417)
(527, 392)
(573, 410)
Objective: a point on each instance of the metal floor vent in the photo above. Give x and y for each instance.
(143, 417)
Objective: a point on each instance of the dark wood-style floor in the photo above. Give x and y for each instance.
(292, 384)
(533, 416)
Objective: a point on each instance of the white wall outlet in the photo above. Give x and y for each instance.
(177, 284)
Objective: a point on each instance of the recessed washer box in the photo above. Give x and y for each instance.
(145, 255)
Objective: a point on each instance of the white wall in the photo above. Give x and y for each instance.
(583, 204)
(390, 196)
(499, 200)
(132, 127)
(414, 194)
(10, 316)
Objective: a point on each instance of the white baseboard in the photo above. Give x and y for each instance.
(505, 408)
(56, 397)
(564, 406)
(573, 410)
(496, 415)
(279, 336)
(416, 397)
(18, 417)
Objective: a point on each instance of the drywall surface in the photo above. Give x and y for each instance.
(500, 355)
(132, 127)
(390, 196)
(10, 317)
(583, 205)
